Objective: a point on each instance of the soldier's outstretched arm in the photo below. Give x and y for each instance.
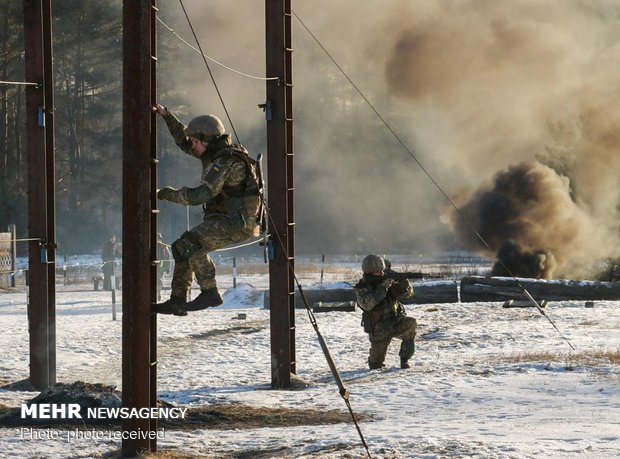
(186, 196)
(175, 127)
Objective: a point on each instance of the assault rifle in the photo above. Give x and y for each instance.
(390, 274)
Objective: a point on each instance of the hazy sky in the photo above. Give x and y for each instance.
(474, 88)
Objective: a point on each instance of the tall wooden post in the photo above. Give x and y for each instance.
(279, 111)
(41, 186)
(139, 327)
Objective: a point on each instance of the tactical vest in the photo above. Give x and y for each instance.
(387, 309)
(243, 201)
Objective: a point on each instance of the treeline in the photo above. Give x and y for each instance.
(87, 60)
(87, 48)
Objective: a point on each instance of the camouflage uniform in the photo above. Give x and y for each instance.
(224, 173)
(385, 318)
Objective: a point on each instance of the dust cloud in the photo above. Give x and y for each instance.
(477, 89)
(527, 216)
(522, 82)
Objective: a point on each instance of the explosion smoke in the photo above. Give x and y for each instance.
(522, 85)
(471, 85)
(513, 260)
(528, 217)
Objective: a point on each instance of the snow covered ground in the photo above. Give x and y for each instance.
(486, 382)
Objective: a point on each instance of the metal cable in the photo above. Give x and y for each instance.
(209, 69)
(432, 179)
(212, 59)
(344, 392)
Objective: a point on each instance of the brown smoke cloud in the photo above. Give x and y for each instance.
(527, 216)
(518, 82)
(472, 86)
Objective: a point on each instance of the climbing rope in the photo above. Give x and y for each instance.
(225, 249)
(20, 83)
(217, 89)
(343, 391)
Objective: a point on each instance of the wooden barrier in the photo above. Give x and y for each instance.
(424, 293)
(474, 289)
(479, 289)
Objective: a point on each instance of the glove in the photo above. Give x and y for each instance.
(399, 288)
(167, 193)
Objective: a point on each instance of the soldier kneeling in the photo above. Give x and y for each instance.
(384, 316)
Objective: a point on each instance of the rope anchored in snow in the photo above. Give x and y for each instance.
(344, 392)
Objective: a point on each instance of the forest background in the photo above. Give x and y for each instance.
(508, 106)
(87, 53)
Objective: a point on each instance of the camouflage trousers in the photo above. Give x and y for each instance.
(191, 252)
(384, 331)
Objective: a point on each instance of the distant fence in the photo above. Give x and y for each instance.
(69, 271)
(7, 258)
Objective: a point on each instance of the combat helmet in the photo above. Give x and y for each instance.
(372, 264)
(205, 128)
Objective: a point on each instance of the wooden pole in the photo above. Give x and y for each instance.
(139, 327)
(278, 109)
(41, 218)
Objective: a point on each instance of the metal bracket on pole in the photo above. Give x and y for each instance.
(267, 109)
(41, 117)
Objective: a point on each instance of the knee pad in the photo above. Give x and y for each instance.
(185, 246)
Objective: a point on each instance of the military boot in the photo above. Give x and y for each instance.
(375, 365)
(175, 305)
(404, 364)
(208, 298)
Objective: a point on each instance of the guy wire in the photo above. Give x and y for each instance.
(432, 179)
(344, 392)
(209, 70)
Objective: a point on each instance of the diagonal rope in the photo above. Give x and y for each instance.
(209, 69)
(432, 179)
(344, 392)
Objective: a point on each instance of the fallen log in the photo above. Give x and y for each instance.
(424, 293)
(478, 288)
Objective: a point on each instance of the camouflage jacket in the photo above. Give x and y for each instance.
(223, 172)
(379, 301)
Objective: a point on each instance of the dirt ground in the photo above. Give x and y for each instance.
(222, 416)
